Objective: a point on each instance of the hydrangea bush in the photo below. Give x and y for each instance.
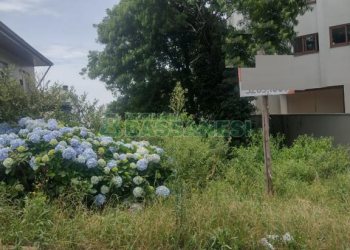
(39, 154)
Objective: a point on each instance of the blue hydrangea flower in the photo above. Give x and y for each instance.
(4, 153)
(122, 157)
(86, 144)
(3, 141)
(89, 153)
(79, 150)
(17, 143)
(100, 199)
(56, 134)
(111, 164)
(66, 130)
(112, 149)
(162, 191)
(52, 124)
(34, 137)
(5, 128)
(83, 133)
(142, 164)
(59, 148)
(23, 121)
(69, 153)
(91, 163)
(48, 137)
(74, 142)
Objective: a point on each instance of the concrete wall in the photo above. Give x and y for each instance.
(326, 125)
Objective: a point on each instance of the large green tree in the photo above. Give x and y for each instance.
(152, 44)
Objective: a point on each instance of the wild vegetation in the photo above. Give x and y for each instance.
(217, 202)
(46, 101)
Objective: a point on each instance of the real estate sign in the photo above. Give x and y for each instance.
(260, 92)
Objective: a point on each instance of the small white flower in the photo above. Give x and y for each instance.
(137, 180)
(287, 237)
(153, 158)
(116, 156)
(104, 189)
(8, 162)
(106, 170)
(95, 180)
(266, 244)
(142, 151)
(273, 237)
(118, 181)
(138, 192)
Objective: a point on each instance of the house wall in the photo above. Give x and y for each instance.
(328, 67)
(19, 71)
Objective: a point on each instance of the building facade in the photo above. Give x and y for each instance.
(19, 56)
(319, 70)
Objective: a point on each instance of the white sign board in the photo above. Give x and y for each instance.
(265, 92)
(261, 92)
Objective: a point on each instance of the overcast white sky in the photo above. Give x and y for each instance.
(62, 31)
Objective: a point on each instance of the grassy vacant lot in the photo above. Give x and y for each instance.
(217, 202)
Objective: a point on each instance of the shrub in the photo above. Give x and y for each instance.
(46, 101)
(43, 156)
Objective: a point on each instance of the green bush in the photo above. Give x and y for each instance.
(48, 102)
(307, 160)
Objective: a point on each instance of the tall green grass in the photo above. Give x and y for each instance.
(226, 210)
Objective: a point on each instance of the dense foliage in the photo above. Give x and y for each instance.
(52, 101)
(151, 45)
(43, 156)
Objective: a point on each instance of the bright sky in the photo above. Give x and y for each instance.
(62, 30)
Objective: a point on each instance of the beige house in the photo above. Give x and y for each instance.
(319, 70)
(17, 53)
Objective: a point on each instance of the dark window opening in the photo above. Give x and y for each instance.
(340, 35)
(306, 44)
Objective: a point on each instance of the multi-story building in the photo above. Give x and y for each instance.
(319, 70)
(20, 56)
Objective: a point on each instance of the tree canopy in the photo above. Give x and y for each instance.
(150, 45)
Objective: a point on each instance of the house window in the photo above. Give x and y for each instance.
(340, 35)
(311, 1)
(306, 44)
